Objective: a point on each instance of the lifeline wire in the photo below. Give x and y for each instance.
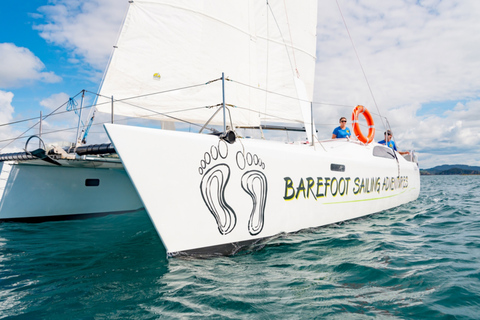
(20, 136)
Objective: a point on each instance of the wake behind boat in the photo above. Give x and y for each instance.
(222, 67)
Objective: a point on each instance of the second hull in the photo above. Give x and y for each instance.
(35, 191)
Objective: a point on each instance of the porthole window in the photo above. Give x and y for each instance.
(337, 167)
(92, 182)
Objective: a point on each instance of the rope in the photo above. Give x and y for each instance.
(72, 105)
(360, 63)
(291, 40)
(48, 115)
(161, 113)
(268, 91)
(283, 39)
(154, 93)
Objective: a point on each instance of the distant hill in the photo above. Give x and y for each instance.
(447, 169)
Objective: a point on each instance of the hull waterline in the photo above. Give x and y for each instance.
(36, 191)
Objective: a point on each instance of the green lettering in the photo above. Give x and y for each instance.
(333, 190)
(341, 190)
(385, 184)
(362, 186)
(288, 186)
(301, 188)
(346, 187)
(310, 184)
(327, 183)
(356, 189)
(319, 184)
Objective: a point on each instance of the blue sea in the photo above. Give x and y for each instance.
(417, 261)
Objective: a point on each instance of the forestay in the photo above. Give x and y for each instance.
(170, 44)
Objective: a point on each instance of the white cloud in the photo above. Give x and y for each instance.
(55, 124)
(19, 66)
(59, 104)
(414, 53)
(55, 100)
(88, 28)
(6, 116)
(62, 125)
(6, 109)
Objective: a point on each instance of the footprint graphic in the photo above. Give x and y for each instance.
(212, 188)
(215, 181)
(254, 182)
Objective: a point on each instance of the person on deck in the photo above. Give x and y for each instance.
(390, 143)
(342, 131)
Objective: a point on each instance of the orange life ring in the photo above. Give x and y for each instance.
(358, 110)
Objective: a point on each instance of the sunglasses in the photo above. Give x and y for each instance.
(343, 121)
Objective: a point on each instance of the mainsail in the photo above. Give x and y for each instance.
(169, 49)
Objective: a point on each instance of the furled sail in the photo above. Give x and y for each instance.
(169, 49)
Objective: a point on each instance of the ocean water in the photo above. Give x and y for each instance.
(417, 261)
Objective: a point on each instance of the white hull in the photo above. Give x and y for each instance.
(204, 195)
(35, 190)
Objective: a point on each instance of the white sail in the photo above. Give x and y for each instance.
(264, 47)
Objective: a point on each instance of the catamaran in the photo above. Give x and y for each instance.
(223, 67)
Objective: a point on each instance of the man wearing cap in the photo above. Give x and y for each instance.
(389, 142)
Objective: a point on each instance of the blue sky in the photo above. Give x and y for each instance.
(421, 59)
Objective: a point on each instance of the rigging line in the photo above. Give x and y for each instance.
(29, 119)
(283, 39)
(101, 123)
(146, 117)
(93, 125)
(270, 115)
(170, 112)
(291, 40)
(115, 46)
(333, 104)
(43, 133)
(268, 91)
(154, 93)
(360, 63)
(91, 116)
(278, 94)
(347, 106)
(162, 114)
(198, 108)
(19, 121)
(48, 115)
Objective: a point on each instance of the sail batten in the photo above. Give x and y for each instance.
(166, 45)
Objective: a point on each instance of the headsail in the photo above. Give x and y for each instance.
(264, 47)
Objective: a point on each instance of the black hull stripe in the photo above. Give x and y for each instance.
(65, 217)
